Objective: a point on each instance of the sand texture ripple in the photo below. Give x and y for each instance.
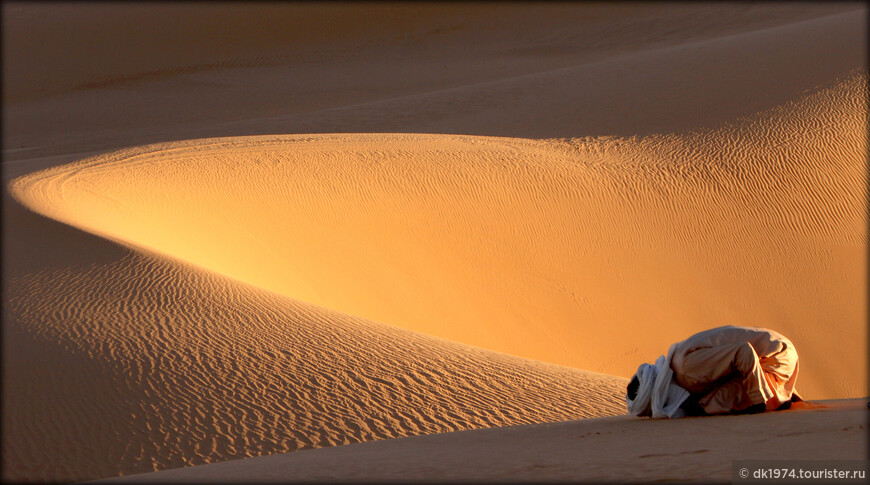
(170, 365)
(231, 232)
(556, 250)
(572, 251)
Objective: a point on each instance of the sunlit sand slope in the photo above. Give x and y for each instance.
(279, 290)
(169, 365)
(592, 253)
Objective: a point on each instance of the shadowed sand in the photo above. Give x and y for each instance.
(618, 448)
(221, 297)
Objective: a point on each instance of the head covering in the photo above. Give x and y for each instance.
(657, 395)
(640, 405)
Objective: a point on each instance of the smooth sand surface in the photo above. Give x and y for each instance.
(597, 449)
(516, 70)
(402, 248)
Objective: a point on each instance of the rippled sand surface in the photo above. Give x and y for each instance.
(172, 365)
(355, 246)
(608, 449)
(575, 244)
(555, 250)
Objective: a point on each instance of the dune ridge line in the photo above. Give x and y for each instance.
(521, 246)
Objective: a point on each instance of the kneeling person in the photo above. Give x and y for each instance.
(726, 369)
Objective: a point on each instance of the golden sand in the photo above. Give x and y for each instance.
(590, 253)
(496, 237)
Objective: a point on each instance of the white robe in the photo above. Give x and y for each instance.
(724, 369)
(731, 368)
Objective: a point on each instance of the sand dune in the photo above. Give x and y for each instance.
(552, 250)
(383, 271)
(589, 450)
(178, 39)
(568, 251)
(175, 366)
(510, 70)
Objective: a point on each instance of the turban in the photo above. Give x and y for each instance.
(657, 393)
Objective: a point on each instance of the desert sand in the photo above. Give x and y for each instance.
(588, 450)
(244, 239)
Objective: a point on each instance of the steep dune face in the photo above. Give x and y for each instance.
(593, 253)
(166, 365)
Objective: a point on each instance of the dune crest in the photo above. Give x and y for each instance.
(555, 250)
